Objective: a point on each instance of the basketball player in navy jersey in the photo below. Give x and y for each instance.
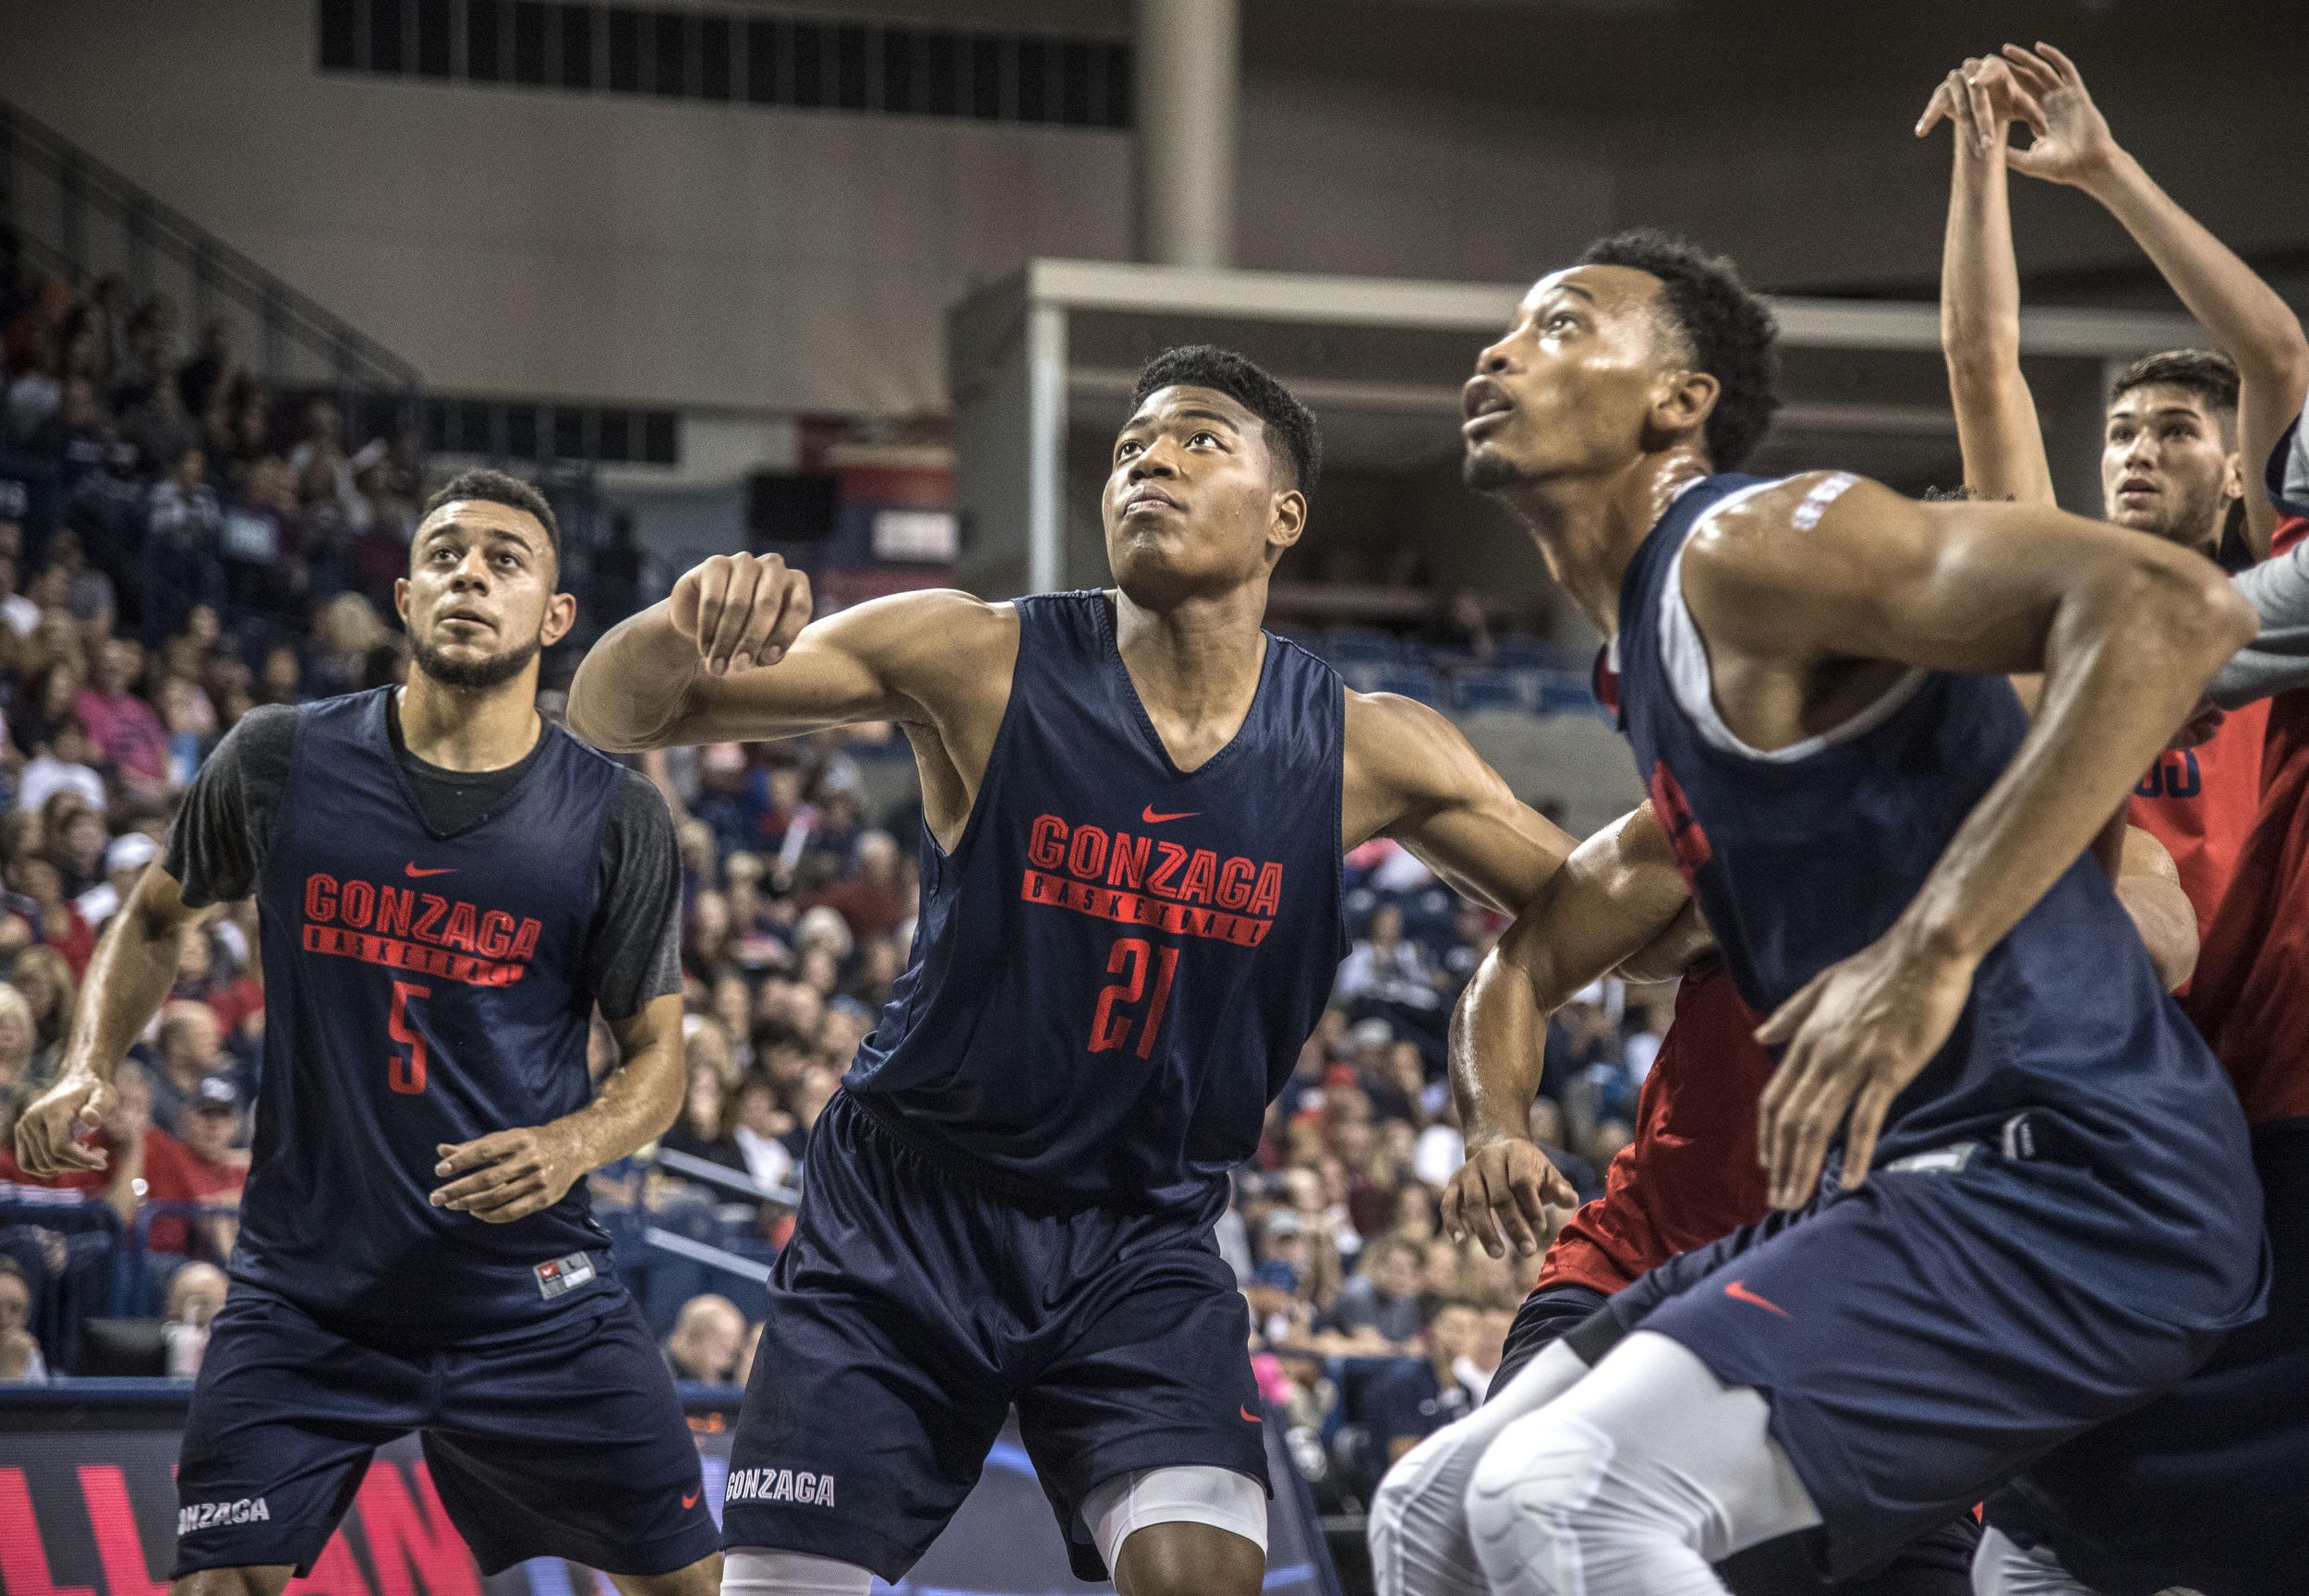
(449, 886)
(1135, 802)
(2043, 1210)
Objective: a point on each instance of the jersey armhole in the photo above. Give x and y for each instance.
(996, 753)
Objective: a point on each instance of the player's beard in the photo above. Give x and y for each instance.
(475, 675)
(1488, 470)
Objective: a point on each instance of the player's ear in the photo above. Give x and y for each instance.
(560, 614)
(1287, 518)
(401, 601)
(1683, 404)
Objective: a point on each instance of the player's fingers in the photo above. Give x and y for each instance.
(1813, 1127)
(1981, 111)
(1867, 1122)
(1449, 1211)
(1783, 1125)
(1484, 1216)
(746, 581)
(2060, 63)
(66, 1153)
(713, 596)
(792, 618)
(458, 1157)
(461, 1191)
(1936, 109)
(519, 1194)
(1531, 1208)
(1508, 1202)
(2031, 71)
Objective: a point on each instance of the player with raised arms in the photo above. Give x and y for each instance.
(1134, 806)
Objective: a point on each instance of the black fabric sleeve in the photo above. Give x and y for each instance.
(635, 952)
(216, 844)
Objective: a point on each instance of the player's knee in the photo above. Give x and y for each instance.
(702, 1577)
(264, 1581)
(1417, 1530)
(1182, 1559)
(1526, 1504)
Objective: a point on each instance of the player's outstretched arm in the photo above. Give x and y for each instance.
(731, 655)
(1411, 775)
(2252, 324)
(2277, 660)
(1618, 891)
(2126, 631)
(510, 1175)
(1980, 332)
(129, 976)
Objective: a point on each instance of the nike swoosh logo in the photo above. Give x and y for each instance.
(689, 1500)
(1738, 1292)
(1151, 819)
(438, 870)
(1247, 1413)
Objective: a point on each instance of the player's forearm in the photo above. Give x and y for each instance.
(634, 685)
(128, 979)
(2128, 654)
(2246, 318)
(1498, 1052)
(637, 1104)
(1996, 417)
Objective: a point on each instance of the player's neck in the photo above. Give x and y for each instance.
(459, 729)
(1198, 659)
(1588, 529)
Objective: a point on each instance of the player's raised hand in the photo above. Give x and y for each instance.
(509, 1175)
(741, 609)
(2074, 144)
(1856, 1034)
(1978, 100)
(48, 1134)
(1505, 1189)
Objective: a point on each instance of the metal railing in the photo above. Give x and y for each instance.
(75, 214)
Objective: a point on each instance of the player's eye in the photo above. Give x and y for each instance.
(1561, 320)
(1210, 438)
(1128, 447)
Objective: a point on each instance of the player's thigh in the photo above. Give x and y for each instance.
(702, 1577)
(265, 1582)
(1545, 1317)
(1160, 1378)
(279, 1433)
(570, 1441)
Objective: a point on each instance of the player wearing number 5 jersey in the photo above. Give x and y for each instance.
(1134, 806)
(449, 885)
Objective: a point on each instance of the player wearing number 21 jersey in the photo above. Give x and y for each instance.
(449, 886)
(1135, 802)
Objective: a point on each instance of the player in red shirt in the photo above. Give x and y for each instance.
(2181, 425)
(2202, 1488)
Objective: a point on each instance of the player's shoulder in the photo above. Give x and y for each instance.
(1404, 743)
(260, 742)
(1772, 508)
(943, 631)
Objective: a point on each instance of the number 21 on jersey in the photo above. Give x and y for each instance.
(1112, 1021)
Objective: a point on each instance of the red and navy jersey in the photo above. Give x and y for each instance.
(1117, 965)
(419, 989)
(2067, 1049)
(2251, 992)
(1691, 1173)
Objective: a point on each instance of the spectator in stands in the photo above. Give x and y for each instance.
(618, 572)
(53, 919)
(161, 428)
(191, 1050)
(344, 634)
(703, 1131)
(1461, 632)
(760, 1131)
(61, 765)
(125, 730)
(20, 614)
(198, 1165)
(1378, 1309)
(21, 1359)
(196, 1294)
(19, 1045)
(79, 436)
(1546, 1121)
(1385, 975)
(705, 1340)
(125, 859)
(38, 389)
(51, 994)
(1418, 1396)
(88, 592)
(869, 898)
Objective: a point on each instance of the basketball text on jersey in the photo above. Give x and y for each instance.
(1150, 881)
(781, 1485)
(404, 929)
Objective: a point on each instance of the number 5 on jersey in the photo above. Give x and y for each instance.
(406, 1074)
(1109, 1030)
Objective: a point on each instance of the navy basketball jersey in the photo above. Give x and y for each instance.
(419, 989)
(1116, 967)
(2068, 1046)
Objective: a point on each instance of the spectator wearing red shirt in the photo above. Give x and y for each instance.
(125, 730)
(870, 899)
(202, 1167)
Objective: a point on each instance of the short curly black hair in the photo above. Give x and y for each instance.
(498, 488)
(1726, 329)
(1291, 431)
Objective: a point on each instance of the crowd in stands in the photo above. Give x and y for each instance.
(209, 547)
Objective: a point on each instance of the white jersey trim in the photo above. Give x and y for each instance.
(1683, 655)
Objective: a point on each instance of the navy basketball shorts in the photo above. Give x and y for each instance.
(2207, 1487)
(1938, 1562)
(913, 1308)
(1916, 1343)
(563, 1442)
